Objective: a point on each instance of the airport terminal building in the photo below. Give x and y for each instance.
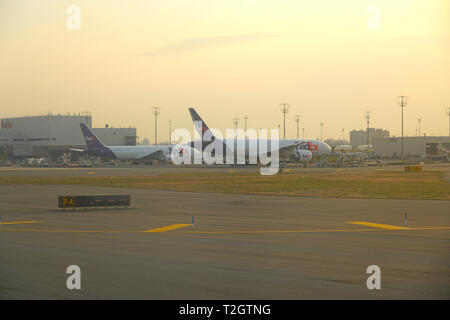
(359, 137)
(391, 147)
(51, 135)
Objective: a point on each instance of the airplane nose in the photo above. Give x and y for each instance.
(326, 148)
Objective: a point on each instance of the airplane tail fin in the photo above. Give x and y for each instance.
(204, 128)
(92, 142)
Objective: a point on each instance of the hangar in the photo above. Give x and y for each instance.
(413, 146)
(52, 135)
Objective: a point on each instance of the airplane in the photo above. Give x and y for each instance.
(290, 150)
(96, 148)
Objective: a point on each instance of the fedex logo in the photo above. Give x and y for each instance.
(312, 147)
(90, 139)
(308, 145)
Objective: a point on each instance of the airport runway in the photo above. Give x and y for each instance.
(241, 247)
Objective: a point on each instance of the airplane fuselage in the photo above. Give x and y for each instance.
(316, 147)
(137, 152)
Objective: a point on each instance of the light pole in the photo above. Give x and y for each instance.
(303, 133)
(236, 121)
(284, 107)
(343, 136)
(367, 115)
(297, 120)
(321, 131)
(402, 102)
(156, 113)
(170, 131)
(420, 120)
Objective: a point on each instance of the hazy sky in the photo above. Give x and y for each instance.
(327, 59)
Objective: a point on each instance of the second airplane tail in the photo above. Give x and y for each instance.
(95, 146)
(204, 128)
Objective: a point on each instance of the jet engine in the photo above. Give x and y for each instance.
(303, 156)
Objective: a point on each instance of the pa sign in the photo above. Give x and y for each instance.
(67, 202)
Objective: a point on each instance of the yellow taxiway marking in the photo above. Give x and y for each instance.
(221, 232)
(378, 225)
(304, 231)
(339, 169)
(374, 227)
(72, 231)
(169, 228)
(91, 172)
(231, 171)
(17, 222)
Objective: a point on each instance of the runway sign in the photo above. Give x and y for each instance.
(413, 168)
(94, 201)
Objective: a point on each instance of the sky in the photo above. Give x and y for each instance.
(329, 60)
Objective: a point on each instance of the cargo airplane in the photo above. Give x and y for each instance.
(96, 148)
(290, 150)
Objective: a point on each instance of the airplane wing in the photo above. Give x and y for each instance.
(157, 155)
(77, 150)
(287, 151)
